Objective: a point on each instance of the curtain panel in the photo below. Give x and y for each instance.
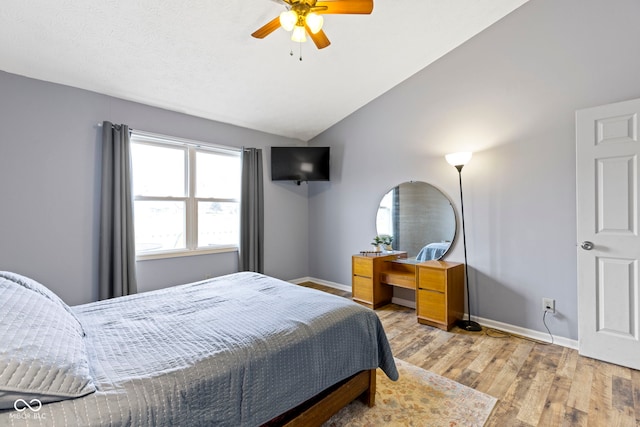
(252, 212)
(117, 275)
(395, 214)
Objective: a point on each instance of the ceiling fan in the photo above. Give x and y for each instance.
(305, 17)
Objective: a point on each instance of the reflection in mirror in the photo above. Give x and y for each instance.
(420, 218)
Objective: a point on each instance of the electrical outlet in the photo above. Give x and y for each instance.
(549, 304)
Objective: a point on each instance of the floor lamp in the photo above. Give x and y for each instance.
(458, 160)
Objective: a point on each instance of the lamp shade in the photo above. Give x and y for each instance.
(314, 21)
(288, 19)
(299, 34)
(459, 159)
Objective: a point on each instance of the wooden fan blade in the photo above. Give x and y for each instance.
(267, 29)
(344, 6)
(320, 38)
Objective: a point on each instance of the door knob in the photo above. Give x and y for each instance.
(586, 245)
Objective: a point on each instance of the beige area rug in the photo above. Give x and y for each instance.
(419, 398)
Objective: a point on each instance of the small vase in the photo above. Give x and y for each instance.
(376, 248)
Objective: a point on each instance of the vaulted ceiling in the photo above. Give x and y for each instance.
(198, 57)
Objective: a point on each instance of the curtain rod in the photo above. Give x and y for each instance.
(184, 141)
(112, 124)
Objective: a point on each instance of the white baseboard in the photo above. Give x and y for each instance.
(505, 327)
(528, 333)
(322, 282)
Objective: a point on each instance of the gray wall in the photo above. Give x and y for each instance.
(509, 94)
(49, 189)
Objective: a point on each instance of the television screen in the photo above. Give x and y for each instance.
(300, 164)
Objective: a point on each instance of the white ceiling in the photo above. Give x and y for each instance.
(198, 57)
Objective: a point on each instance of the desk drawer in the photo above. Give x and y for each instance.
(362, 289)
(431, 305)
(363, 267)
(432, 279)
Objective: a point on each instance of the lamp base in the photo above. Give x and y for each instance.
(469, 325)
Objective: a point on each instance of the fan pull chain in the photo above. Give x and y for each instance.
(291, 51)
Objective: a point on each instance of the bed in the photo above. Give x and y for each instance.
(238, 350)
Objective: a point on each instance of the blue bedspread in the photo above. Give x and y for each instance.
(232, 351)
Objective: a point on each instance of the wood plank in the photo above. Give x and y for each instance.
(600, 402)
(622, 394)
(467, 377)
(575, 418)
(486, 356)
(421, 356)
(580, 392)
(487, 378)
(568, 363)
(509, 372)
(459, 366)
(515, 394)
(448, 353)
(554, 412)
(412, 344)
(535, 399)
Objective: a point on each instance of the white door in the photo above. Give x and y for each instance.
(607, 150)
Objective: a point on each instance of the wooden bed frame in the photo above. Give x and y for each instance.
(320, 408)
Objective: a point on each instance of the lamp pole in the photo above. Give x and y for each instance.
(467, 325)
(458, 160)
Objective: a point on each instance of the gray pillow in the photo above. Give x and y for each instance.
(42, 350)
(34, 286)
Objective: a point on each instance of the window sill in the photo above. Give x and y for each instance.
(182, 253)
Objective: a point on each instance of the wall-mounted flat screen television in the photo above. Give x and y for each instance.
(300, 164)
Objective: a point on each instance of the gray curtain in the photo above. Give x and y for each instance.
(117, 274)
(395, 215)
(252, 212)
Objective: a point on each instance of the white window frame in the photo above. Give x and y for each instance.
(191, 201)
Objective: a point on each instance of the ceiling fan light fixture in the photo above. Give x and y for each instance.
(314, 22)
(288, 19)
(306, 18)
(299, 34)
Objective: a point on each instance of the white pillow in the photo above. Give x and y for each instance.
(39, 288)
(42, 351)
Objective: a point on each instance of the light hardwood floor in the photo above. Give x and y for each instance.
(536, 384)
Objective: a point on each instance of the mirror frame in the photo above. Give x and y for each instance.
(453, 217)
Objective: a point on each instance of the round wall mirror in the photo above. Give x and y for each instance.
(420, 218)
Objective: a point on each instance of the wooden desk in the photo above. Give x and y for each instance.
(438, 285)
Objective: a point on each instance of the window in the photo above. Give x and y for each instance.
(186, 196)
(384, 218)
